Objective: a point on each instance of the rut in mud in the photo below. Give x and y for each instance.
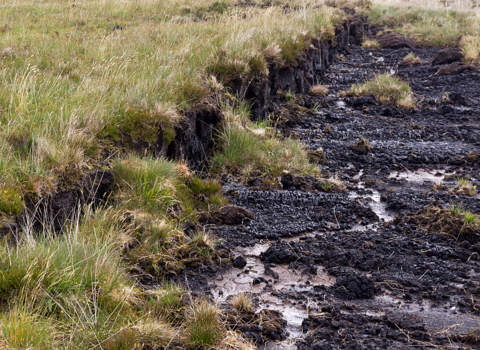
(347, 270)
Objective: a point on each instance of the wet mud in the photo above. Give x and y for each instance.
(349, 270)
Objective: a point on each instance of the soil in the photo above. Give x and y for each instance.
(352, 269)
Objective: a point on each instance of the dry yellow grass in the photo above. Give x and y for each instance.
(319, 90)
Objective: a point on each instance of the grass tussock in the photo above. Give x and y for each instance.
(203, 324)
(371, 44)
(387, 89)
(410, 60)
(242, 302)
(454, 221)
(470, 45)
(319, 90)
(245, 146)
(465, 187)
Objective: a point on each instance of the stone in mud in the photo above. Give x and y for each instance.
(227, 215)
(255, 182)
(354, 287)
(233, 215)
(287, 181)
(363, 101)
(396, 41)
(446, 56)
(239, 262)
(459, 99)
(405, 320)
(278, 254)
(391, 111)
(455, 68)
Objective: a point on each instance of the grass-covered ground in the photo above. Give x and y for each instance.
(75, 79)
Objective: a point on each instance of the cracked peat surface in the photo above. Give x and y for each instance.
(344, 269)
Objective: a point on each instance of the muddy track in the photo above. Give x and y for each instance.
(342, 270)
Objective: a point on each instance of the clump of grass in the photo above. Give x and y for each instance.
(387, 89)
(439, 186)
(465, 187)
(454, 221)
(23, 329)
(362, 146)
(410, 60)
(470, 45)
(319, 90)
(203, 326)
(241, 302)
(255, 147)
(371, 44)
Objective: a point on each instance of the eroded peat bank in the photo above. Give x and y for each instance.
(239, 175)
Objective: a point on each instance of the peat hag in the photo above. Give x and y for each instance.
(362, 268)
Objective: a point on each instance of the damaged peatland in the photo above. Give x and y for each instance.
(317, 255)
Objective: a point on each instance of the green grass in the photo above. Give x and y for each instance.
(387, 89)
(72, 85)
(244, 147)
(428, 25)
(203, 325)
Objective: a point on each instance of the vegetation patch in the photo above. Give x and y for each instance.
(434, 26)
(410, 60)
(470, 45)
(388, 90)
(245, 146)
(454, 221)
(371, 44)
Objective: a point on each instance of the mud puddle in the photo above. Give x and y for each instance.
(254, 280)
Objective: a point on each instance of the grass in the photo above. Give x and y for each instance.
(387, 89)
(245, 146)
(203, 325)
(465, 187)
(470, 45)
(410, 60)
(429, 22)
(242, 302)
(319, 90)
(74, 82)
(371, 44)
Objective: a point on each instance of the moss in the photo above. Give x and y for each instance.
(11, 201)
(168, 136)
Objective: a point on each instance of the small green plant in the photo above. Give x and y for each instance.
(465, 187)
(316, 108)
(290, 96)
(326, 186)
(11, 201)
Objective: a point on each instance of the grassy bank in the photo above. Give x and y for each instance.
(432, 23)
(76, 78)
